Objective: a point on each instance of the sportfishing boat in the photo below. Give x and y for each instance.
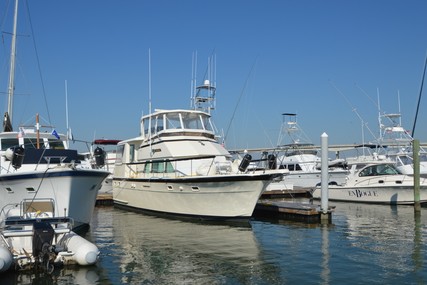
(300, 157)
(33, 238)
(377, 182)
(36, 162)
(396, 143)
(176, 166)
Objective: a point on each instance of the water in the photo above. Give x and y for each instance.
(364, 244)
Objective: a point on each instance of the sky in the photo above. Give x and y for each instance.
(330, 62)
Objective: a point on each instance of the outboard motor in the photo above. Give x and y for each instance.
(245, 162)
(18, 157)
(43, 251)
(272, 163)
(99, 154)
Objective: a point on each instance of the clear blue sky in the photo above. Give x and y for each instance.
(279, 56)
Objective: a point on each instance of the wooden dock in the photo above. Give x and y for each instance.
(287, 193)
(104, 199)
(302, 212)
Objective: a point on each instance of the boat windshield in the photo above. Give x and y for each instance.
(177, 121)
(403, 160)
(380, 169)
(8, 143)
(32, 143)
(196, 121)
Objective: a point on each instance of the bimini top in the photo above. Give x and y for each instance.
(175, 123)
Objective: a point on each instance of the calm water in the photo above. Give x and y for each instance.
(365, 244)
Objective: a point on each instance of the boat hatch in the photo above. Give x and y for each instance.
(42, 206)
(30, 189)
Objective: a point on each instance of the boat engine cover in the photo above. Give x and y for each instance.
(99, 154)
(43, 234)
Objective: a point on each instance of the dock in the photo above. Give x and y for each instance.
(104, 199)
(287, 193)
(302, 212)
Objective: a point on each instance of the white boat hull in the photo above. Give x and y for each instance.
(221, 196)
(381, 194)
(305, 180)
(74, 191)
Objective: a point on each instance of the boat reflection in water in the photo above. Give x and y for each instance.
(365, 244)
(166, 251)
(392, 235)
(82, 275)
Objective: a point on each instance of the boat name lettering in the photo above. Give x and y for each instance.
(362, 193)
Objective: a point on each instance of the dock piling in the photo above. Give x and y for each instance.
(416, 161)
(324, 174)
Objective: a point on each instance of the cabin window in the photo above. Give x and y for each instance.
(119, 154)
(405, 159)
(56, 144)
(169, 167)
(382, 169)
(173, 121)
(192, 121)
(147, 168)
(159, 124)
(207, 124)
(290, 167)
(52, 143)
(32, 143)
(387, 169)
(368, 171)
(158, 167)
(131, 153)
(8, 143)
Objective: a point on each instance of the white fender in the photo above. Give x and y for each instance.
(6, 258)
(85, 252)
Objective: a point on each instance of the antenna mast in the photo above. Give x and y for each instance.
(149, 99)
(11, 87)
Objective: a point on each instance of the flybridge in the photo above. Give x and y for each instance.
(176, 121)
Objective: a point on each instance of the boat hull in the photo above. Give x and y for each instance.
(305, 180)
(73, 190)
(374, 194)
(221, 196)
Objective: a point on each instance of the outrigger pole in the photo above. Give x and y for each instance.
(419, 97)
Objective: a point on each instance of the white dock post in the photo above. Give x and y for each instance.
(325, 177)
(416, 161)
